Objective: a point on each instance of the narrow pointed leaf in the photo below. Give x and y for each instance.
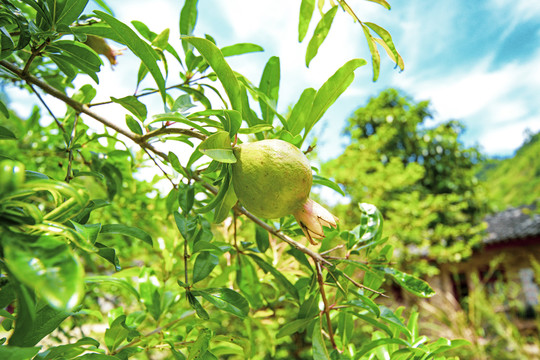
(133, 105)
(223, 208)
(225, 299)
(321, 31)
(138, 46)
(409, 282)
(270, 87)
(128, 231)
(375, 57)
(239, 49)
(306, 12)
(204, 264)
(320, 352)
(277, 274)
(226, 76)
(390, 47)
(292, 327)
(331, 90)
(300, 113)
(319, 180)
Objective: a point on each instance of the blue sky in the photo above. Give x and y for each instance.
(477, 61)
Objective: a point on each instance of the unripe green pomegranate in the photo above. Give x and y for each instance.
(272, 179)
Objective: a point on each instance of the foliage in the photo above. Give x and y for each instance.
(97, 264)
(514, 181)
(422, 179)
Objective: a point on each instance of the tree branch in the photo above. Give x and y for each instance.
(326, 310)
(141, 141)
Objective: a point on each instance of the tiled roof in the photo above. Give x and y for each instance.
(513, 224)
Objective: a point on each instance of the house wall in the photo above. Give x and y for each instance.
(510, 257)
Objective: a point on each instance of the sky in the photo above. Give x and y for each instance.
(476, 61)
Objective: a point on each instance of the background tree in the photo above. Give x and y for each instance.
(506, 189)
(422, 179)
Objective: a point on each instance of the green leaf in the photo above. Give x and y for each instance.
(226, 76)
(292, 327)
(128, 231)
(387, 43)
(319, 180)
(204, 264)
(225, 299)
(248, 281)
(255, 129)
(188, 17)
(262, 238)
(56, 276)
(116, 333)
(320, 33)
(277, 274)
(370, 346)
(374, 322)
(6, 134)
(77, 50)
(4, 111)
(133, 125)
(110, 280)
(175, 163)
(17, 353)
(365, 302)
(70, 11)
(186, 197)
(199, 347)
(306, 12)
(270, 87)
(35, 320)
(394, 321)
(68, 351)
(196, 305)
(239, 49)
(375, 57)
(218, 147)
(133, 105)
(382, 3)
(320, 352)
(410, 283)
(140, 48)
(299, 117)
(226, 204)
(108, 254)
(149, 289)
(177, 117)
(331, 90)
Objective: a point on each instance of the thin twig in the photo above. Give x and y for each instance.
(326, 305)
(357, 284)
(42, 101)
(168, 130)
(160, 168)
(70, 149)
(33, 55)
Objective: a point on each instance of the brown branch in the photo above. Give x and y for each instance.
(167, 131)
(358, 285)
(141, 141)
(326, 310)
